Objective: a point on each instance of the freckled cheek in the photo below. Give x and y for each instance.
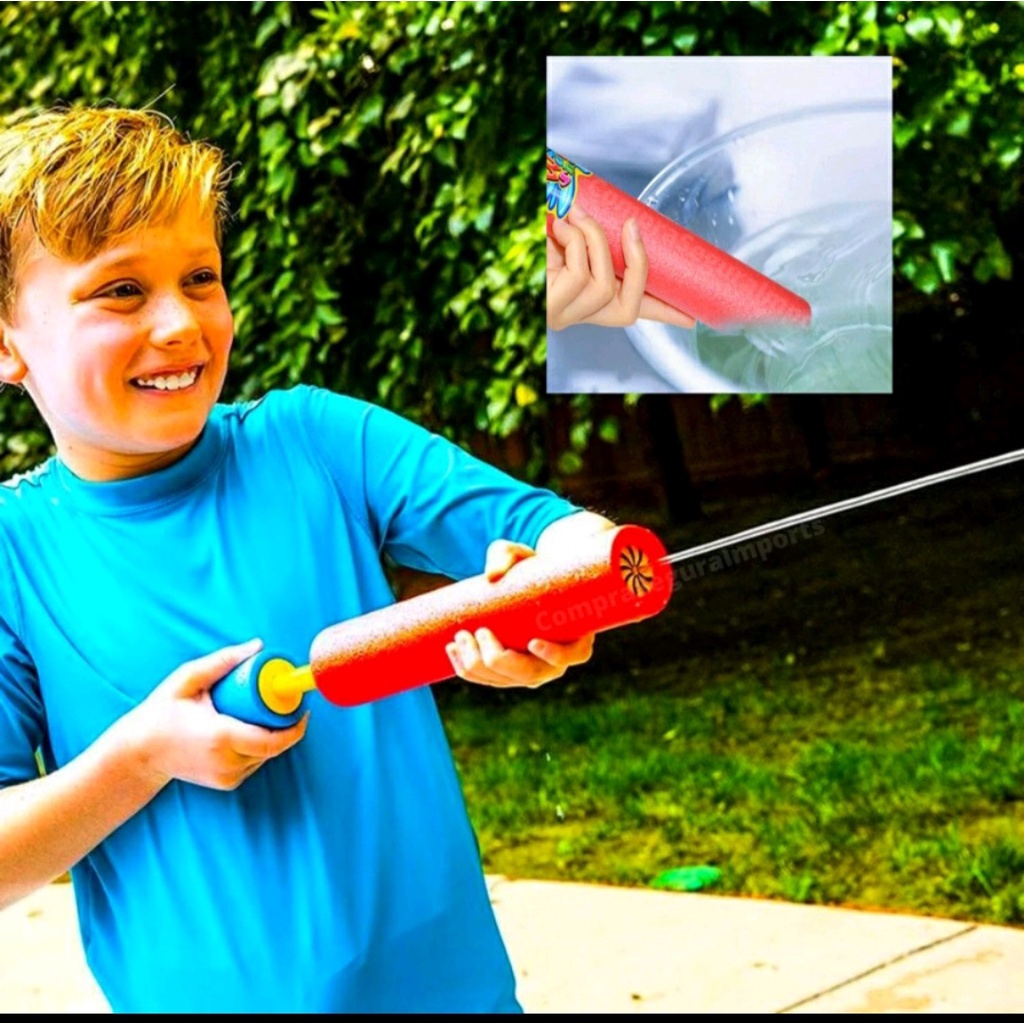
(217, 325)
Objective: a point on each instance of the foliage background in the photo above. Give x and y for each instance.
(388, 239)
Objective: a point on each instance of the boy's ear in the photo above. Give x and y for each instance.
(12, 367)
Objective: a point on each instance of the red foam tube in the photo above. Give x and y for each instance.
(616, 578)
(688, 273)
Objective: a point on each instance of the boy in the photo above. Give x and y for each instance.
(220, 867)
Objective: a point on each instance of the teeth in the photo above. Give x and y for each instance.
(168, 382)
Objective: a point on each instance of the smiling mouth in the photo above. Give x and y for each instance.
(184, 380)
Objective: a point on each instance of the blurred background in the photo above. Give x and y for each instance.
(842, 722)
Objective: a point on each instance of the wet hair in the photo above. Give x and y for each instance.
(79, 178)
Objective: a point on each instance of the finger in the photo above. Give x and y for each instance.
(602, 285)
(477, 673)
(255, 741)
(556, 255)
(197, 676)
(502, 555)
(563, 655)
(599, 253)
(504, 667)
(470, 659)
(252, 769)
(634, 279)
(452, 651)
(569, 281)
(654, 309)
(235, 777)
(574, 248)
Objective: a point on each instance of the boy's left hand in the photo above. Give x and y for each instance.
(481, 658)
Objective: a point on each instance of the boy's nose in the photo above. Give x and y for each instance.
(174, 322)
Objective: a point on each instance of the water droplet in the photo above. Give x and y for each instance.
(653, 202)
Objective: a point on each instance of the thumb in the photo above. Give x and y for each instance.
(197, 676)
(502, 555)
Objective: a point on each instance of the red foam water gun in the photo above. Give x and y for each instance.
(618, 576)
(688, 273)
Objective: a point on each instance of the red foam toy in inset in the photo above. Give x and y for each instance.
(685, 271)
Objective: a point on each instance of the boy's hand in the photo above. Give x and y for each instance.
(582, 287)
(481, 658)
(177, 733)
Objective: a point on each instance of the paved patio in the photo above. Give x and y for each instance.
(598, 949)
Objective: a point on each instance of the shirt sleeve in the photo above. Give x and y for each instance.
(21, 708)
(428, 504)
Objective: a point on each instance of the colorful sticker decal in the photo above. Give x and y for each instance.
(562, 175)
(636, 570)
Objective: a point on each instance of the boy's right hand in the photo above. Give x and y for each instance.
(177, 733)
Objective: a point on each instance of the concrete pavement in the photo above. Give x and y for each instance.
(598, 949)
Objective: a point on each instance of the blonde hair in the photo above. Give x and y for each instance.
(80, 178)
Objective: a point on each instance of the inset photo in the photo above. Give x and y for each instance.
(719, 224)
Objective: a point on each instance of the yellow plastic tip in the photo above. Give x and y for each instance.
(282, 684)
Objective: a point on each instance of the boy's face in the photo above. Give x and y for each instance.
(124, 354)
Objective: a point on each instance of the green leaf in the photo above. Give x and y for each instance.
(944, 254)
(995, 262)
(371, 109)
(950, 23)
(903, 131)
(608, 431)
(272, 137)
(919, 27)
(922, 273)
(569, 463)
(960, 126)
(579, 435)
(329, 315)
(1009, 156)
(402, 107)
(685, 39)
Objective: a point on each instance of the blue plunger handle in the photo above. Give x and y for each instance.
(238, 694)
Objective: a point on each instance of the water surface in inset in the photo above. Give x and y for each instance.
(839, 258)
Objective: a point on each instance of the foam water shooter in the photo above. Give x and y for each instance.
(617, 577)
(620, 576)
(684, 271)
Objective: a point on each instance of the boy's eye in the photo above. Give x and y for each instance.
(130, 290)
(124, 290)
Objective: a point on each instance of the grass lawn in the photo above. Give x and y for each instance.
(840, 723)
